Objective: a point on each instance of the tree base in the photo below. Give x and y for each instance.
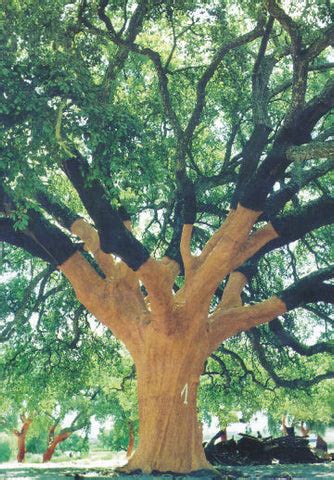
(205, 473)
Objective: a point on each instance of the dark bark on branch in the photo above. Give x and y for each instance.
(255, 337)
(300, 62)
(310, 289)
(286, 339)
(263, 67)
(297, 133)
(311, 150)
(325, 38)
(114, 236)
(288, 24)
(277, 200)
(173, 249)
(295, 225)
(184, 213)
(285, 85)
(57, 210)
(250, 158)
(187, 190)
(40, 239)
(316, 108)
(249, 269)
(325, 134)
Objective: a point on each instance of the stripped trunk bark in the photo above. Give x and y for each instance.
(171, 335)
(170, 435)
(131, 443)
(48, 454)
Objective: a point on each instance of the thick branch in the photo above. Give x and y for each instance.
(279, 381)
(253, 148)
(325, 38)
(296, 224)
(288, 24)
(313, 68)
(226, 323)
(232, 291)
(40, 239)
(165, 94)
(61, 212)
(310, 289)
(89, 287)
(90, 237)
(278, 199)
(297, 133)
(184, 214)
(311, 150)
(300, 64)
(114, 236)
(286, 339)
(218, 256)
(263, 67)
(251, 154)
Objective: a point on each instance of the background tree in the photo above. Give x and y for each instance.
(37, 342)
(103, 120)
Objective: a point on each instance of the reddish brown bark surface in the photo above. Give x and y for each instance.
(131, 443)
(21, 439)
(48, 454)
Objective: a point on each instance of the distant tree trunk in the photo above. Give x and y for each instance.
(21, 438)
(321, 444)
(51, 434)
(223, 436)
(283, 425)
(304, 431)
(48, 454)
(131, 441)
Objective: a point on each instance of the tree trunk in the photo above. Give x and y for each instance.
(21, 439)
(170, 436)
(21, 448)
(48, 454)
(169, 337)
(131, 443)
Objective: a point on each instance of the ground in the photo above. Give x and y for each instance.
(94, 469)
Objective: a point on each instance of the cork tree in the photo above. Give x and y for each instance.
(155, 153)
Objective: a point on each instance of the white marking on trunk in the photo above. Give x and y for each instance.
(184, 392)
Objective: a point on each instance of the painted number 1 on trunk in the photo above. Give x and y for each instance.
(184, 393)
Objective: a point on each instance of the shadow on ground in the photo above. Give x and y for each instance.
(269, 472)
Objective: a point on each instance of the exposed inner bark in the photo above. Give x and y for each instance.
(131, 442)
(170, 436)
(170, 335)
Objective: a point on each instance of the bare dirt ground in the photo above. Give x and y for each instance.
(92, 469)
